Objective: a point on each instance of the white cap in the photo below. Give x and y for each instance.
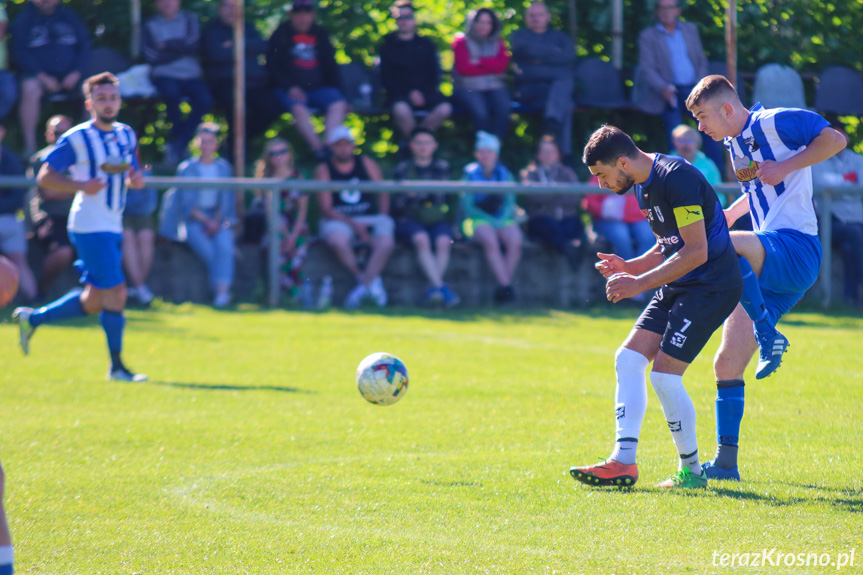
(340, 133)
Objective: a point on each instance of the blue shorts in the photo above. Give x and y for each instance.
(100, 258)
(407, 228)
(791, 266)
(320, 98)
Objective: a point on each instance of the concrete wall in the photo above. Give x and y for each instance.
(543, 279)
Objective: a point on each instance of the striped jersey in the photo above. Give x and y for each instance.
(777, 134)
(88, 152)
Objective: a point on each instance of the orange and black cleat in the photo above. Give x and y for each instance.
(608, 472)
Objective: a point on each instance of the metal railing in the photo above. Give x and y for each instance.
(823, 196)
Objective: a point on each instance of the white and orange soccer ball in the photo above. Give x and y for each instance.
(382, 378)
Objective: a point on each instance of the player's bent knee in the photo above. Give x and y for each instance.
(625, 357)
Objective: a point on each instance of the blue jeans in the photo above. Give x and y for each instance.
(627, 240)
(489, 109)
(173, 92)
(217, 252)
(8, 92)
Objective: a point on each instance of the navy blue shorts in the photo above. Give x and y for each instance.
(100, 258)
(686, 317)
(407, 228)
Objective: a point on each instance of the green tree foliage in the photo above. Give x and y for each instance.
(808, 35)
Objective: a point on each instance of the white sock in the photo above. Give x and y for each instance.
(6, 556)
(630, 403)
(680, 415)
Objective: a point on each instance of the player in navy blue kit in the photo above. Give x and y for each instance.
(695, 267)
(772, 151)
(102, 159)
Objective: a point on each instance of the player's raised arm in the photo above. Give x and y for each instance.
(51, 179)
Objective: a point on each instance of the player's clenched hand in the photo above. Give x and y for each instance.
(620, 286)
(770, 172)
(94, 186)
(609, 264)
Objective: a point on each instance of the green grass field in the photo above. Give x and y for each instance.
(251, 451)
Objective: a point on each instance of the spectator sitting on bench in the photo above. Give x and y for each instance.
(410, 74)
(554, 219)
(139, 240)
(210, 213)
(423, 219)
(687, 145)
(302, 65)
(50, 47)
(13, 242)
(480, 62)
(490, 218)
(349, 214)
(49, 212)
(543, 60)
(171, 43)
(278, 162)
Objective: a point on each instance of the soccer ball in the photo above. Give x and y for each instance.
(382, 378)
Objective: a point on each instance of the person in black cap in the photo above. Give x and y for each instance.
(302, 64)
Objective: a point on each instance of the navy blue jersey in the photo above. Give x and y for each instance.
(676, 195)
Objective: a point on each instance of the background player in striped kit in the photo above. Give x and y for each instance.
(771, 151)
(102, 158)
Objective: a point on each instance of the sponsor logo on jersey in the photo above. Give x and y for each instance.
(659, 215)
(745, 168)
(670, 241)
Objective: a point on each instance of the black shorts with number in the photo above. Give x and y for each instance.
(687, 317)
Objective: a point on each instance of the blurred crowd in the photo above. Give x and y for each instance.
(295, 72)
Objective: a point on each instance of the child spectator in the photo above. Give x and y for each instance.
(210, 213)
(490, 218)
(422, 219)
(479, 73)
(554, 219)
(277, 162)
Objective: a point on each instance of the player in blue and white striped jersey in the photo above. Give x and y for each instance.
(771, 151)
(101, 157)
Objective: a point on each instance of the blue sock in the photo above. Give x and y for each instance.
(729, 413)
(752, 299)
(113, 323)
(66, 307)
(6, 569)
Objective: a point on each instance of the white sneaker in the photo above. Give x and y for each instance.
(144, 295)
(222, 300)
(378, 292)
(355, 298)
(22, 315)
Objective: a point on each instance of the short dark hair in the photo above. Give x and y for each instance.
(103, 79)
(606, 145)
(708, 88)
(421, 130)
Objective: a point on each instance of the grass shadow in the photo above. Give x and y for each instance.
(227, 387)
